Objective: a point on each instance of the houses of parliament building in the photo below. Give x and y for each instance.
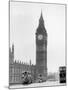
(16, 68)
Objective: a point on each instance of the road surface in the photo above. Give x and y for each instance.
(48, 83)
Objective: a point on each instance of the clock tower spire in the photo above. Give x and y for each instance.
(41, 49)
(41, 21)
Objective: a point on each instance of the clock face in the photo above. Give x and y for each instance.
(40, 37)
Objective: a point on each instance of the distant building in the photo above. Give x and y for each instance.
(53, 76)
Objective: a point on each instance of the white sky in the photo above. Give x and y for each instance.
(24, 20)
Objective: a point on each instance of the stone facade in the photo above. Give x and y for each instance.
(41, 49)
(16, 69)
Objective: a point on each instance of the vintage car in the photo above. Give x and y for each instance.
(26, 77)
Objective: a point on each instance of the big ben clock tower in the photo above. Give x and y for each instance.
(41, 49)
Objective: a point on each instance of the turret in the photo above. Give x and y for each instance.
(12, 48)
(13, 52)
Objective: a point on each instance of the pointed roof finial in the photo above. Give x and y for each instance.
(41, 12)
(41, 18)
(41, 15)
